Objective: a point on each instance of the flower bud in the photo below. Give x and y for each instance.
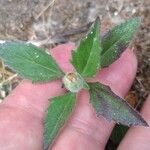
(73, 82)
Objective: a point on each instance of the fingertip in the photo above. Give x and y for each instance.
(62, 55)
(67, 46)
(131, 57)
(120, 75)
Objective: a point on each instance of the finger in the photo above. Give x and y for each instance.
(138, 138)
(22, 112)
(86, 131)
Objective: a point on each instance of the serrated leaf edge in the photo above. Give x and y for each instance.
(143, 122)
(51, 101)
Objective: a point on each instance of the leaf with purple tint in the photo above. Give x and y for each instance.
(112, 107)
(115, 41)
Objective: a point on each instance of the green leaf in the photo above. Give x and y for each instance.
(58, 112)
(115, 41)
(86, 57)
(118, 133)
(112, 107)
(30, 61)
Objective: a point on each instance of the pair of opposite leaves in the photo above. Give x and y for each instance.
(92, 54)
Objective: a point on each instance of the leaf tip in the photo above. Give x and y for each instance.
(97, 20)
(136, 21)
(45, 146)
(143, 123)
(96, 24)
(146, 124)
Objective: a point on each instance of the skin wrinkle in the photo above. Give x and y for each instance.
(88, 134)
(86, 129)
(79, 144)
(66, 66)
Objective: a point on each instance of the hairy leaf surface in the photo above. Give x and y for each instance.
(86, 57)
(30, 61)
(115, 41)
(58, 112)
(112, 107)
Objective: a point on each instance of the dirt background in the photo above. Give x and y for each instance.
(50, 22)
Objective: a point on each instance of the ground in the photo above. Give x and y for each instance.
(51, 22)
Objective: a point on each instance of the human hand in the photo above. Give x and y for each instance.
(22, 112)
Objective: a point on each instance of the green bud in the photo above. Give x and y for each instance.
(74, 82)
